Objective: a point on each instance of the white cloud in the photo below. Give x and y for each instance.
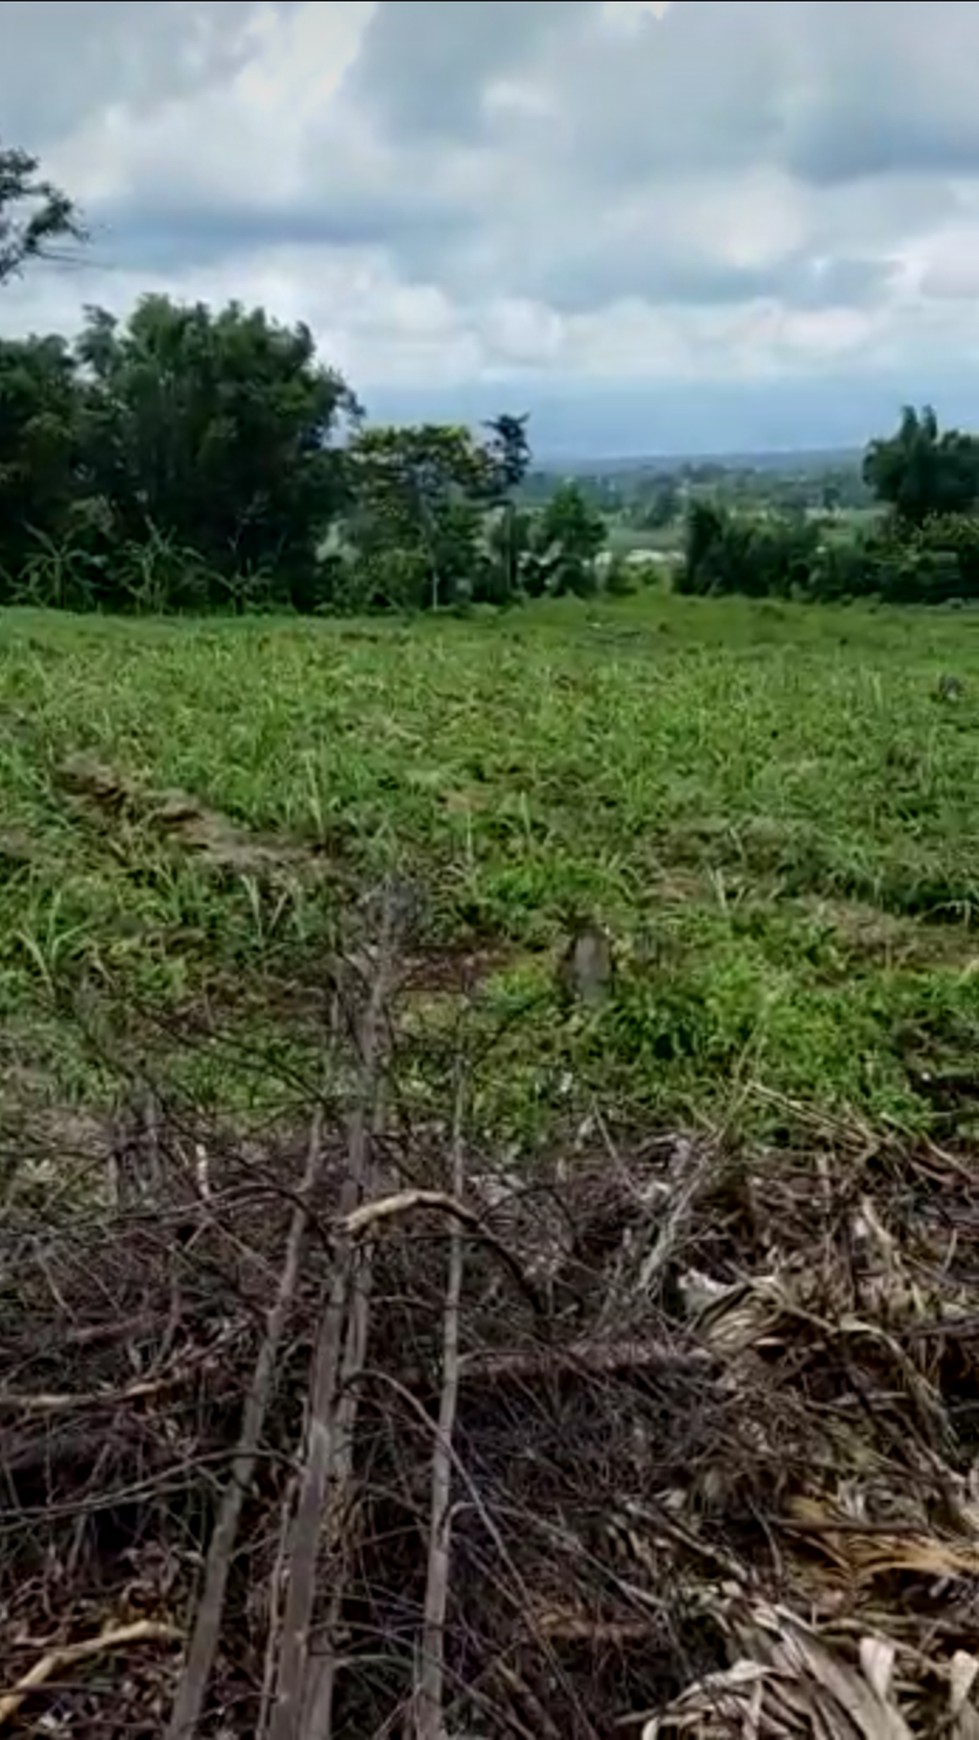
(633, 14)
(466, 191)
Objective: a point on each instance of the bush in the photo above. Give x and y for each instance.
(620, 578)
(184, 460)
(760, 557)
(769, 556)
(955, 537)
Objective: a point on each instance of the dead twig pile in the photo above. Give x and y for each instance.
(354, 1434)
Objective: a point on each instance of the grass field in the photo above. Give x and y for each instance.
(771, 808)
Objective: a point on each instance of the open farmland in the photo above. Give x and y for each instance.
(287, 1015)
(773, 811)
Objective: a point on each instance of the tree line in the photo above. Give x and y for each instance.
(189, 459)
(921, 548)
(193, 459)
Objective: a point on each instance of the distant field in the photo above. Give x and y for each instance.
(769, 806)
(624, 540)
(852, 519)
(669, 540)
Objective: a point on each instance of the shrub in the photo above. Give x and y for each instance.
(620, 578)
(730, 552)
(784, 556)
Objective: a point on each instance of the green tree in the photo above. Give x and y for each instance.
(509, 452)
(36, 218)
(758, 555)
(214, 431)
(920, 471)
(703, 563)
(661, 507)
(419, 495)
(510, 456)
(510, 539)
(570, 535)
(39, 436)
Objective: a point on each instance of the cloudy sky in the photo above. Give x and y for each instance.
(706, 225)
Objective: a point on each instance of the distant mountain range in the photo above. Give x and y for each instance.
(805, 460)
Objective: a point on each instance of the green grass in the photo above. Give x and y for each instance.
(625, 540)
(767, 805)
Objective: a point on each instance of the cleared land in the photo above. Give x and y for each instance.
(704, 1347)
(774, 811)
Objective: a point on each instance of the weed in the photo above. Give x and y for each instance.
(720, 785)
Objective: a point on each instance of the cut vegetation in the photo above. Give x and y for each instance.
(496, 1099)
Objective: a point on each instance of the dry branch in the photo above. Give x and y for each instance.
(67, 1404)
(317, 1719)
(584, 1358)
(428, 1702)
(387, 1209)
(294, 1691)
(744, 1493)
(192, 1691)
(72, 1654)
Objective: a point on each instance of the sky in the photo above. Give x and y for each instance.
(691, 227)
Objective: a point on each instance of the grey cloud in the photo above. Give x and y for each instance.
(864, 103)
(582, 276)
(842, 146)
(882, 89)
(425, 64)
(590, 277)
(818, 87)
(846, 281)
(693, 93)
(166, 235)
(834, 90)
(802, 153)
(60, 60)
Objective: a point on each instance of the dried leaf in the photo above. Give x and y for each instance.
(735, 1695)
(851, 1705)
(877, 1658)
(963, 1674)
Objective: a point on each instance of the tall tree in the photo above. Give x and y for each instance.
(39, 435)
(216, 430)
(36, 218)
(419, 492)
(661, 506)
(509, 453)
(571, 534)
(921, 471)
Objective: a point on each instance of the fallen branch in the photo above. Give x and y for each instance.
(73, 1653)
(364, 1220)
(67, 1404)
(371, 1214)
(596, 1358)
